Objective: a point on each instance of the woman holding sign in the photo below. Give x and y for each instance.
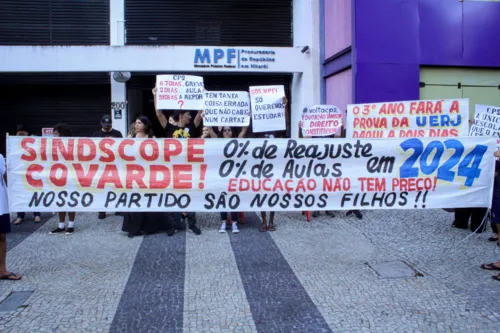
(63, 130)
(265, 225)
(227, 132)
(22, 131)
(141, 223)
(179, 126)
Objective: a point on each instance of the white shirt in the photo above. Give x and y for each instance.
(4, 204)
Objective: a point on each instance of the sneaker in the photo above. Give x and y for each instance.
(235, 228)
(70, 231)
(101, 216)
(315, 213)
(57, 231)
(171, 231)
(195, 230)
(222, 229)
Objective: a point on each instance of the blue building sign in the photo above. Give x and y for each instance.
(233, 58)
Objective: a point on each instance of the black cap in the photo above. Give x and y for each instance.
(106, 119)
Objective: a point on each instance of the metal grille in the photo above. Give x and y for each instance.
(209, 22)
(54, 22)
(44, 105)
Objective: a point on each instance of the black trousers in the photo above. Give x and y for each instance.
(475, 215)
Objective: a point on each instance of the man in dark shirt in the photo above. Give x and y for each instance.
(106, 131)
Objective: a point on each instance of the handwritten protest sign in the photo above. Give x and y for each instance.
(417, 119)
(268, 110)
(486, 122)
(227, 108)
(109, 174)
(321, 120)
(179, 92)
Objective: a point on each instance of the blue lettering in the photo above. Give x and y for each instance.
(231, 54)
(458, 122)
(218, 54)
(434, 121)
(198, 57)
(421, 121)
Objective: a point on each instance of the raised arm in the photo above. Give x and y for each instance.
(300, 131)
(159, 114)
(243, 132)
(198, 120)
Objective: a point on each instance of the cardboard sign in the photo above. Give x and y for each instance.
(48, 132)
(409, 119)
(196, 175)
(227, 108)
(321, 120)
(486, 122)
(179, 92)
(268, 110)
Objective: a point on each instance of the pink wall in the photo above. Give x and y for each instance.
(339, 89)
(338, 26)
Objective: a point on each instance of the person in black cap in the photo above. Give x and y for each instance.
(106, 131)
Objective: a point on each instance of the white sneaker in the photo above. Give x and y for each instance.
(222, 229)
(235, 228)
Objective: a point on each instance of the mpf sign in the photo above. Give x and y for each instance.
(214, 56)
(246, 58)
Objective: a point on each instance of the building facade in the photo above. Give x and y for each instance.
(58, 57)
(392, 50)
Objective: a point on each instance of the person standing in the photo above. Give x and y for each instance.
(143, 223)
(316, 213)
(106, 131)
(4, 226)
(21, 130)
(180, 125)
(62, 130)
(228, 132)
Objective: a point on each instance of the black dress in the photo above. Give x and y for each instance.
(138, 223)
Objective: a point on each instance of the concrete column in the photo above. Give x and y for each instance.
(118, 90)
(306, 32)
(117, 22)
(119, 101)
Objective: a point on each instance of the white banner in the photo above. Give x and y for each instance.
(108, 174)
(321, 120)
(227, 108)
(268, 110)
(179, 92)
(486, 122)
(409, 119)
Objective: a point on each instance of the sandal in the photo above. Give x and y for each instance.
(271, 227)
(496, 277)
(490, 267)
(11, 276)
(263, 228)
(18, 221)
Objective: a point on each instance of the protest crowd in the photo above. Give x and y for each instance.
(269, 106)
